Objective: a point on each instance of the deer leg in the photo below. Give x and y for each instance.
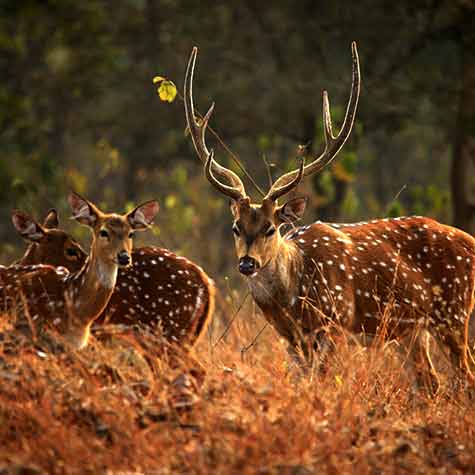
(312, 351)
(468, 352)
(427, 375)
(298, 358)
(323, 348)
(457, 345)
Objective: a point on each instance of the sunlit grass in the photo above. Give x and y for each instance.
(115, 407)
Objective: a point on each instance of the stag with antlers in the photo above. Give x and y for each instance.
(43, 296)
(323, 276)
(160, 289)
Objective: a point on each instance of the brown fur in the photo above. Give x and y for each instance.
(349, 274)
(51, 245)
(163, 289)
(45, 296)
(160, 289)
(58, 249)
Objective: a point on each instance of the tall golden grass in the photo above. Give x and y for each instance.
(130, 404)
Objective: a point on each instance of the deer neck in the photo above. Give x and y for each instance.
(89, 292)
(277, 282)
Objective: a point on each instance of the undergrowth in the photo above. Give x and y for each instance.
(130, 404)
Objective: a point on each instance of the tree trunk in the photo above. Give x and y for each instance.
(463, 163)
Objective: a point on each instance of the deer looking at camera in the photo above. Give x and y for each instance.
(43, 296)
(324, 276)
(159, 289)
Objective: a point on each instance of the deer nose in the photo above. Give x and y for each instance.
(123, 258)
(248, 265)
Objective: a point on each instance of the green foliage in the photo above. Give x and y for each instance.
(263, 142)
(77, 110)
(326, 185)
(428, 200)
(395, 209)
(351, 205)
(349, 161)
(344, 169)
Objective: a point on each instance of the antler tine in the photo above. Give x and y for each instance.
(332, 144)
(275, 193)
(198, 130)
(236, 193)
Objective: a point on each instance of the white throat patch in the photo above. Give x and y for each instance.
(106, 274)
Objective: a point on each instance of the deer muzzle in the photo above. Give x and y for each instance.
(123, 258)
(248, 265)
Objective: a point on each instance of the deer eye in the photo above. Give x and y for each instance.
(103, 233)
(236, 230)
(131, 234)
(71, 252)
(270, 232)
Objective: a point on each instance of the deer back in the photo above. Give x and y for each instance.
(35, 295)
(164, 290)
(420, 267)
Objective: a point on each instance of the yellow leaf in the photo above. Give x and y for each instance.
(158, 79)
(338, 380)
(170, 201)
(167, 91)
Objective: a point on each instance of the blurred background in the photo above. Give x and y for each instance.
(78, 110)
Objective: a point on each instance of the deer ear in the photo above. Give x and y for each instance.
(84, 211)
(27, 227)
(51, 220)
(234, 207)
(292, 211)
(142, 216)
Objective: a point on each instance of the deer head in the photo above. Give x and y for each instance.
(255, 230)
(256, 226)
(112, 233)
(48, 244)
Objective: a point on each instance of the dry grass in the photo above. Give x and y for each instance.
(115, 408)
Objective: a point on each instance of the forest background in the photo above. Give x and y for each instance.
(78, 110)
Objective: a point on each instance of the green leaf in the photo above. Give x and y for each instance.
(395, 210)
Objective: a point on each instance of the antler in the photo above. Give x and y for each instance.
(234, 192)
(276, 192)
(332, 144)
(198, 130)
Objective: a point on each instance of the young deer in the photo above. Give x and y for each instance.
(43, 295)
(160, 288)
(47, 243)
(324, 276)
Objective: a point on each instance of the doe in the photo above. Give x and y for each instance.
(159, 289)
(42, 296)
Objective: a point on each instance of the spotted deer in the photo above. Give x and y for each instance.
(160, 288)
(42, 296)
(319, 277)
(47, 243)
